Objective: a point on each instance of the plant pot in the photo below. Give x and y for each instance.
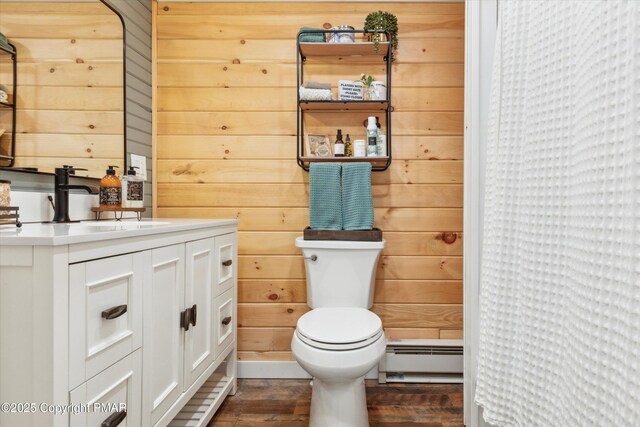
(383, 37)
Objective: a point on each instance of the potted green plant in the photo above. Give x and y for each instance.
(382, 21)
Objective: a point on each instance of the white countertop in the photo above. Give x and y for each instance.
(47, 234)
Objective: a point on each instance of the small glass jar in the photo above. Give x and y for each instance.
(369, 93)
(341, 37)
(5, 193)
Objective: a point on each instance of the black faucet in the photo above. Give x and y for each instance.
(62, 187)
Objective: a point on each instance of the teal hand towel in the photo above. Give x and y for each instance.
(357, 201)
(5, 43)
(325, 198)
(316, 37)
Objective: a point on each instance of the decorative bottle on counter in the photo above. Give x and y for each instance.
(132, 189)
(348, 147)
(110, 189)
(339, 145)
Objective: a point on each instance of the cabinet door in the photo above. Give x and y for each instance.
(112, 397)
(201, 271)
(163, 342)
(105, 313)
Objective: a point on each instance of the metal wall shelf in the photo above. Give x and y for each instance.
(343, 52)
(344, 49)
(344, 105)
(378, 160)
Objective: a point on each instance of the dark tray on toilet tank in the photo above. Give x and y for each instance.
(374, 235)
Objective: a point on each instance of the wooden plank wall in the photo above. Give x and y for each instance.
(137, 20)
(70, 96)
(226, 148)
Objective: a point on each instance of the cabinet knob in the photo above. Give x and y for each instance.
(114, 312)
(227, 263)
(226, 320)
(114, 419)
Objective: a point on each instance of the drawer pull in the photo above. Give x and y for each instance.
(189, 317)
(114, 312)
(185, 319)
(114, 419)
(194, 314)
(227, 263)
(226, 320)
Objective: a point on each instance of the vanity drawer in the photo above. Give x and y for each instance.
(113, 396)
(225, 320)
(105, 313)
(226, 253)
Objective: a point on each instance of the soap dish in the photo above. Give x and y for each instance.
(120, 210)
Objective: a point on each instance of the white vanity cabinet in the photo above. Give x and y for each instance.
(118, 327)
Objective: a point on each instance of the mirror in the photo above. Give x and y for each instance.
(69, 95)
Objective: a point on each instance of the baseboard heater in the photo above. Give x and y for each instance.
(422, 361)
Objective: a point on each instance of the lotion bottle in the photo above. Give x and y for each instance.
(132, 189)
(372, 137)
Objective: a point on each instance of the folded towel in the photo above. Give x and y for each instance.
(5, 43)
(357, 201)
(307, 94)
(316, 85)
(325, 198)
(317, 36)
(310, 38)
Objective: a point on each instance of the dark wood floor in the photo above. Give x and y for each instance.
(285, 403)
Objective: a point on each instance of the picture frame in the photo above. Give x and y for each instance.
(350, 90)
(318, 146)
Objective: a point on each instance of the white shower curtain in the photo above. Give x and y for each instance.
(560, 285)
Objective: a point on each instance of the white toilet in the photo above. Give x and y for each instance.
(339, 340)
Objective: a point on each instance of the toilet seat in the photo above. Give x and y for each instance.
(339, 328)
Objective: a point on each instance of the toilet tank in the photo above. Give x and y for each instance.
(340, 273)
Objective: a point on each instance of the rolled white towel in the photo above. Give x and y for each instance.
(3, 96)
(307, 94)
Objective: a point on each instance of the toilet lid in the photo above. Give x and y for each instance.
(339, 327)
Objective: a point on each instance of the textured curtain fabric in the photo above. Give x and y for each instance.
(560, 286)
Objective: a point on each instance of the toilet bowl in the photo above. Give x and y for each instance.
(339, 340)
(337, 347)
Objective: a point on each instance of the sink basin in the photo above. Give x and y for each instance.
(122, 224)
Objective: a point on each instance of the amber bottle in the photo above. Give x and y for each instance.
(339, 145)
(110, 189)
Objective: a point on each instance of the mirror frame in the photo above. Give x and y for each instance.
(124, 82)
(125, 162)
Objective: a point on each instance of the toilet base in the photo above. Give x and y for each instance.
(338, 403)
